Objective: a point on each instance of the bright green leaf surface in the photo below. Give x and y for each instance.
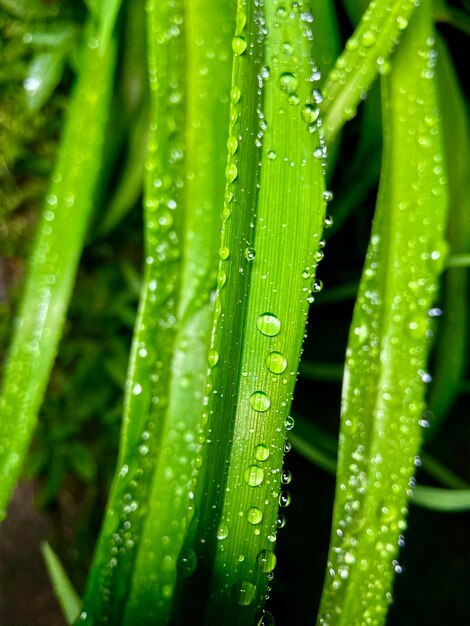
(67, 596)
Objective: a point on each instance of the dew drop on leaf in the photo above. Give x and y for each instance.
(276, 362)
(268, 324)
(254, 515)
(288, 82)
(244, 592)
(261, 452)
(254, 475)
(260, 401)
(266, 561)
(238, 45)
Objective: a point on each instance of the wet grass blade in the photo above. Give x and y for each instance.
(365, 56)
(274, 214)
(384, 384)
(451, 349)
(53, 262)
(149, 508)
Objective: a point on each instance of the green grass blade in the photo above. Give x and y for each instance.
(149, 508)
(451, 349)
(385, 375)
(53, 263)
(366, 55)
(68, 598)
(274, 197)
(444, 500)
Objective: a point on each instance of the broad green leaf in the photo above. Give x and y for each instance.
(53, 264)
(65, 593)
(366, 56)
(385, 375)
(273, 221)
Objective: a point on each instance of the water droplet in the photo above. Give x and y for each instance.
(276, 362)
(244, 592)
(402, 22)
(271, 155)
(286, 477)
(261, 452)
(310, 113)
(254, 475)
(136, 389)
(231, 172)
(328, 223)
(268, 324)
(232, 145)
(368, 38)
(236, 94)
(266, 561)
(213, 357)
(289, 423)
(250, 253)
(187, 563)
(417, 327)
(260, 401)
(327, 196)
(224, 253)
(222, 532)
(254, 515)
(288, 82)
(284, 499)
(317, 285)
(281, 521)
(238, 45)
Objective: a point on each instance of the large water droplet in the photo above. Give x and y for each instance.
(231, 172)
(254, 475)
(213, 357)
(268, 324)
(244, 592)
(222, 532)
(288, 82)
(284, 498)
(261, 452)
(250, 253)
(266, 561)
(310, 113)
(254, 515)
(238, 45)
(224, 253)
(276, 362)
(260, 401)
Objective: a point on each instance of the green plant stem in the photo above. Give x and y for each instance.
(54, 260)
(384, 382)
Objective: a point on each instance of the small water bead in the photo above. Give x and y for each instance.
(368, 38)
(401, 22)
(224, 253)
(222, 532)
(232, 145)
(268, 324)
(187, 563)
(317, 285)
(416, 327)
(328, 223)
(213, 357)
(281, 521)
(261, 452)
(276, 362)
(289, 423)
(260, 401)
(284, 499)
(310, 113)
(250, 253)
(238, 45)
(231, 172)
(327, 196)
(244, 592)
(286, 477)
(254, 515)
(318, 255)
(288, 82)
(271, 155)
(266, 561)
